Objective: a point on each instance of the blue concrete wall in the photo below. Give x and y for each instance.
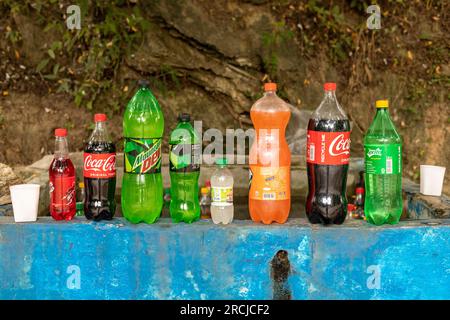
(117, 260)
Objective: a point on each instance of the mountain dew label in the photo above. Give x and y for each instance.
(185, 157)
(383, 158)
(142, 155)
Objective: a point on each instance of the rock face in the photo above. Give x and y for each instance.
(7, 178)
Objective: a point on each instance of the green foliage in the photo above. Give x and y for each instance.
(86, 62)
(361, 5)
(334, 28)
(271, 42)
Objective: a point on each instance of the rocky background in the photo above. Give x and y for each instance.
(210, 58)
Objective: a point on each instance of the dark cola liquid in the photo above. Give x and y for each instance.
(99, 201)
(327, 202)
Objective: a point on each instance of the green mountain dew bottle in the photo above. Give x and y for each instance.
(383, 161)
(184, 156)
(142, 187)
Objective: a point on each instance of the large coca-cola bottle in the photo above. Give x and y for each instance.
(99, 173)
(327, 157)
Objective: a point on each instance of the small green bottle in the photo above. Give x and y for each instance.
(383, 164)
(184, 157)
(80, 198)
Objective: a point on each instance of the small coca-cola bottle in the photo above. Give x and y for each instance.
(62, 180)
(99, 173)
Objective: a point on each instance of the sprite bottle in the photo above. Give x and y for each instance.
(142, 187)
(184, 156)
(383, 162)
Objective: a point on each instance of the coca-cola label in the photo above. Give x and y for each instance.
(99, 165)
(328, 148)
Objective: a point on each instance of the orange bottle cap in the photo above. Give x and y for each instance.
(270, 86)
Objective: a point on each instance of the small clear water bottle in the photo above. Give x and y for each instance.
(222, 209)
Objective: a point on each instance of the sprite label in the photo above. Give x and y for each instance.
(184, 157)
(142, 155)
(383, 158)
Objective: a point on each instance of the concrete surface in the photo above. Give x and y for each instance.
(117, 260)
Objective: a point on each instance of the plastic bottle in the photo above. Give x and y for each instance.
(383, 161)
(205, 203)
(327, 157)
(80, 199)
(222, 208)
(142, 186)
(62, 180)
(184, 157)
(270, 159)
(100, 173)
(166, 198)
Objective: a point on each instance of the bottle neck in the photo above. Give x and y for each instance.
(100, 132)
(100, 125)
(382, 111)
(330, 94)
(61, 148)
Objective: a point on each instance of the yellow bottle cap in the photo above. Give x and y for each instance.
(81, 185)
(382, 104)
(204, 190)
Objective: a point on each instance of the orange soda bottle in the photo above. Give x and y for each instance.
(270, 159)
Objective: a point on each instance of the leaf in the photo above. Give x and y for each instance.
(42, 65)
(55, 69)
(56, 45)
(78, 98)
(425, 36)
(409, 55)
(50, 77)
(51, 53)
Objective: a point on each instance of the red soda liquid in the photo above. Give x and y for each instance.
(62, 182)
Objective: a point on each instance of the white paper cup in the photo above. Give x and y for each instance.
(431, 180)
(25, 202)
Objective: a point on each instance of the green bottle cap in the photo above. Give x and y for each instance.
(143, 83)
(222, 161)
(184, 117)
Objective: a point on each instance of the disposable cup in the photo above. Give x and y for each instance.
(25, 202)
(431, 180)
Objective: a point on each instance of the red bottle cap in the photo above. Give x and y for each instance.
(60, 132)
(359, 190)
(351, 207)
(100, 117)
(270, 86)
(329, 86)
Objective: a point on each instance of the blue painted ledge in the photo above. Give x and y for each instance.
(117, 260)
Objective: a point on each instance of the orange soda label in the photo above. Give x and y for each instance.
(270, 183)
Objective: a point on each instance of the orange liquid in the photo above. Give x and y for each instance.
(268, 211)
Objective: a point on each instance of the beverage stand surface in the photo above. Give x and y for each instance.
(115, 259)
